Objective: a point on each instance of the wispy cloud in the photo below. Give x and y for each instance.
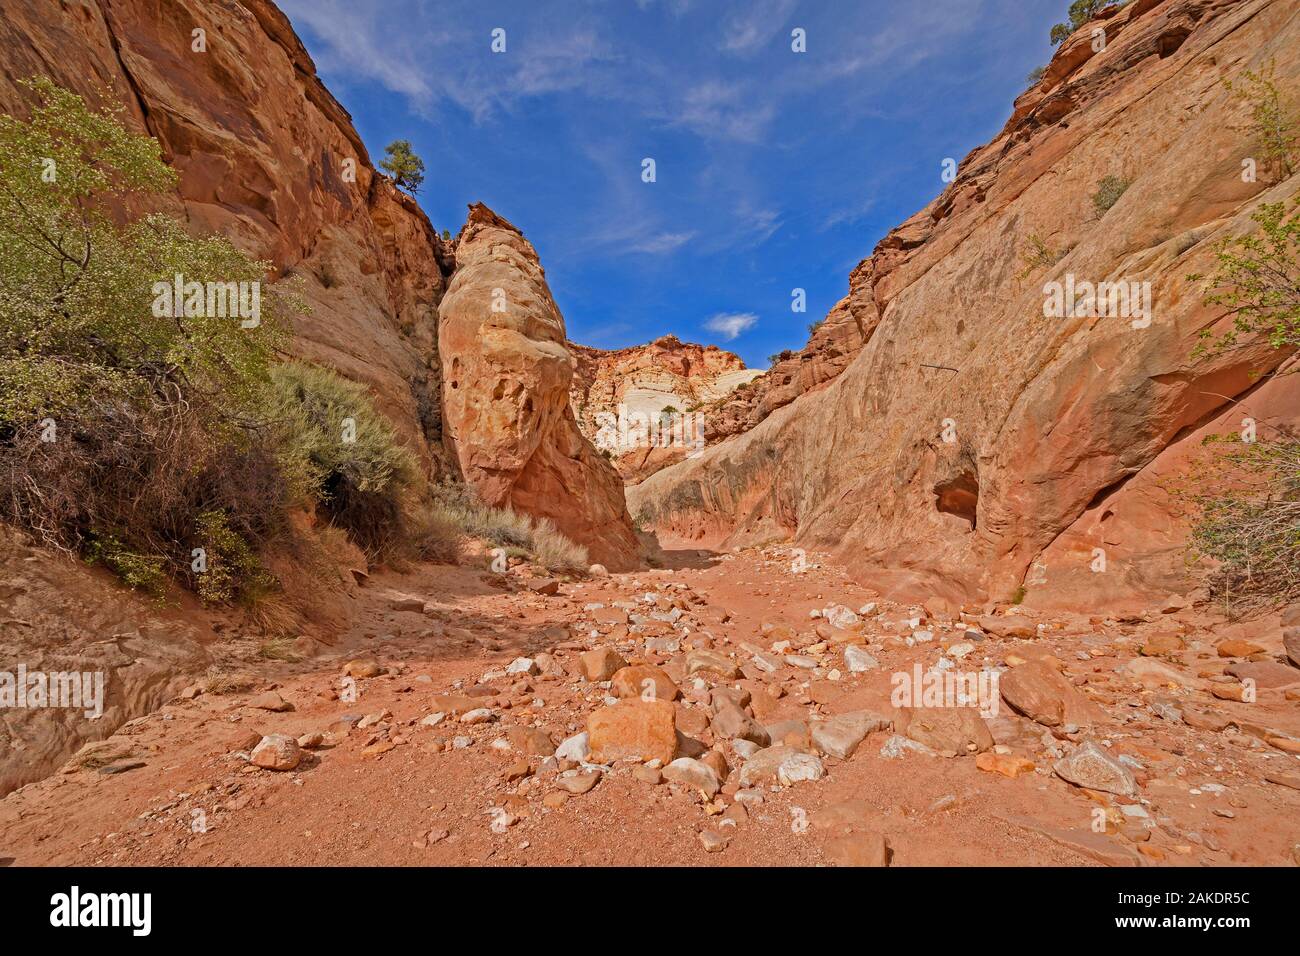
(662, 242)
(752, 28)
(730, 324)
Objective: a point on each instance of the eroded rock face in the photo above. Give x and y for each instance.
(506, 372)
(666, 375)
(59, 618)
(974, 446)
(268, 158)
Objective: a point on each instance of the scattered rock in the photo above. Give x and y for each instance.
(839, 736)
(601, 664)
(1009, 765)
(1090, 766)
(858, 660)
(693, 773)
(858, 849)
(643, 680)
(959, 730)
(783, 765)
(276, 752)
(636, 729)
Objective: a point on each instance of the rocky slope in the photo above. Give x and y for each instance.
(664, 375)
(1035, 441)
(494, 725)
(507, 371)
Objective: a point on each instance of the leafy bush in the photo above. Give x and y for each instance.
(1257, 279)
(345, 452)
(1247, 499)
(231, 569)
(1036, 75)
(1109, 189)
(140, 572)
(1247, 517)
(119, 426)
(1273, 122)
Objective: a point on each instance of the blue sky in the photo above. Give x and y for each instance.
(775, 169)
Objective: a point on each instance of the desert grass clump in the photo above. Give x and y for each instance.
(278, 649)
(554, 551)
(455, 506)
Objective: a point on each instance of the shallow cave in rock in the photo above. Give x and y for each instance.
(958, 496)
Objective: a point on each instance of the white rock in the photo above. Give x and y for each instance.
(858, 660)
(898, 745)
(522, 665)
(798, 767)
(574, 748)
(840, 616)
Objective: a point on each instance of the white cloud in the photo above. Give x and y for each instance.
(662, 242)
(751, 29)
(730, 324)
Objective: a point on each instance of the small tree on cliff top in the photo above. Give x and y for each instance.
(1081, 11)
(406, 168)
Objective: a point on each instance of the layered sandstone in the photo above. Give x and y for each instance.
(507, 371)
(662, 380)
(973, 447)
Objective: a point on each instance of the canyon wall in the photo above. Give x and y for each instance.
(832, 344)
(664, 375)
(973, 447)
(268, 158)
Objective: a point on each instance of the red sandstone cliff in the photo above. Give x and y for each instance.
(1063, 429)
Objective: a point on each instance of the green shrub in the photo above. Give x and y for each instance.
(121, 425)
(1273, 122)
(1109, 189)
(1081, 11)
(232, 569)
(140, 572)
(1037, 254)
(345, 452)
(1246, 501)
(1036, 75)
(1257, 279)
